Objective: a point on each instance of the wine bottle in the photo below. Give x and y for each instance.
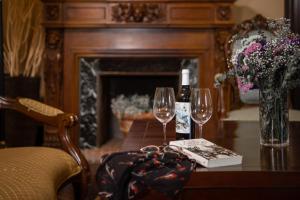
(184, 126)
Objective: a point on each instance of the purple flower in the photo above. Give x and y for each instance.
(267, 59)
(244, 87)
(245, 68)
(295, 41)
(252, 48)
(238, 80)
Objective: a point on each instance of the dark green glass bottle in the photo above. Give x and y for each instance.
(184, 123)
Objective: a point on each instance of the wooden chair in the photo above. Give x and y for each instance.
(230, 98)
(39, 172)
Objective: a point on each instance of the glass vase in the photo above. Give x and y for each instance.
(273, 118)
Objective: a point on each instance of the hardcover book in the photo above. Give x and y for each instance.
(206, 153)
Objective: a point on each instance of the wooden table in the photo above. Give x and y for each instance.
(266, 173)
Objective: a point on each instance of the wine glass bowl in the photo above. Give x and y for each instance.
(201, 107)
(164, 107)
(164, 115)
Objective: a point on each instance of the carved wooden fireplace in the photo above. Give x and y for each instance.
(79, 29)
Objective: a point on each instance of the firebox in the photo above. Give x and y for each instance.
(115, 89)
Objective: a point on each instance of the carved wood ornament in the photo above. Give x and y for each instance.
(53, 79)
(221, 37)
(52, 12)
(54, 66)
(136, 12)
(224, 13)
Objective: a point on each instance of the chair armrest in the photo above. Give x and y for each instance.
(38, 111)
(51, 116)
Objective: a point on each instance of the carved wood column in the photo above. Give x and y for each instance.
(53, 71)
(54, 67)
(53, 74)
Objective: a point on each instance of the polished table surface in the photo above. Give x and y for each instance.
(264, 173)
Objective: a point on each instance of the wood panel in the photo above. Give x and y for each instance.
(190, 13)
(137, 39)
(85, 13)
(53, 14)
(166, 1)
(80, 14)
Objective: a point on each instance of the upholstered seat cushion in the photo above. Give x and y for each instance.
(34, 172)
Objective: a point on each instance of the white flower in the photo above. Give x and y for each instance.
(130, 105)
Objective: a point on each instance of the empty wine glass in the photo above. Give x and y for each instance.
(201, 107)
(164, 107)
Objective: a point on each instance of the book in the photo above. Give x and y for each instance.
(206, 153)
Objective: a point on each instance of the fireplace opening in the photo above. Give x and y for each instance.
(112, 88)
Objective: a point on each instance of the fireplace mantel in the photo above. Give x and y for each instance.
(137, 13)
(122, 28)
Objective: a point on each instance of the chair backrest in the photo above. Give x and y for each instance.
(242, 36)
(34, 109)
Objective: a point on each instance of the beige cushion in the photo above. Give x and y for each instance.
(34, 172)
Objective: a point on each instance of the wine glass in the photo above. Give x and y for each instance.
(201, 107)
(164, 107)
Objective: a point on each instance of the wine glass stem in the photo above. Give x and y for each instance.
(200, 131)
(165, 133)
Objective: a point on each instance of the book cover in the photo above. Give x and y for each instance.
(206, 153)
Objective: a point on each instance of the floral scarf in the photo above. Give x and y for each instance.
(129, 175)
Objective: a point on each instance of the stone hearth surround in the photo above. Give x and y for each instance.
(136, 28)
(122, 76)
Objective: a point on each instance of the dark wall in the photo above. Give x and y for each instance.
(15, 128)
(1, 75)
(292, 11)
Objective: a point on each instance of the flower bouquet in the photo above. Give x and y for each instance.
(273, 65)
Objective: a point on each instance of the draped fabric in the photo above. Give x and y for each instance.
(129, 175)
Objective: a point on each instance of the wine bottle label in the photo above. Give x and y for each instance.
(183, 117)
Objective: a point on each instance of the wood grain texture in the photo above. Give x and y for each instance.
(265, 172)
(154, 13)
(2, 122)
